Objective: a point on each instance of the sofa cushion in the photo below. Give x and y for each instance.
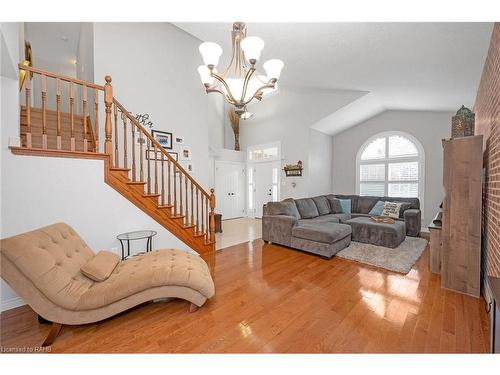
(322, 232)
(322, 205)
(335, 206)
(346, 206)
(342, 217)
(377, 209)
(101, 266)
(307, 208)
(330, 218)
(286, 207)
(404, 206)
(365, 204)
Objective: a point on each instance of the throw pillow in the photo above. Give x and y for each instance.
(100, 266)
(391, 209)
(377, 209)
(346, 205)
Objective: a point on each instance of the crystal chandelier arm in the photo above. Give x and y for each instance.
(229, 94)
(245, 83)
(266, 86)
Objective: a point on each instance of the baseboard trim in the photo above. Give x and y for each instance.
(11, 303)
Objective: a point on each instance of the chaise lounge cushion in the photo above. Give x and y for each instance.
(307, 208)
(100, 267)
(322, 205)
(322, 232)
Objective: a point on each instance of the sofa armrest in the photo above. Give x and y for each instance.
(413, 219)
(278, 228)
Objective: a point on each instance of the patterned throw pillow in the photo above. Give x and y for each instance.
(391, 209)
(346, 205)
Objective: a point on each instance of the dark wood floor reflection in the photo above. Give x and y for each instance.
(272, 299)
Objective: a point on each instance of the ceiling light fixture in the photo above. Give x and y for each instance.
(240, 82)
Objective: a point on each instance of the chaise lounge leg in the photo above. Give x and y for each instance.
(193, 308)
(54, 331)
(42, 320)
(269, 242)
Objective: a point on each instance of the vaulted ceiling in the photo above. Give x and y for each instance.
(403, 66)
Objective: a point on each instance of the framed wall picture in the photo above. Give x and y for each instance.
(175, 155)
(186, 153)
(188, 166)
(163, 138)
(179, 140)
(150, 155)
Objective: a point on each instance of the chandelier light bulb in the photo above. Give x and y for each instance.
(273, 68)
(210, 52)
(252, 46)
(205, 76)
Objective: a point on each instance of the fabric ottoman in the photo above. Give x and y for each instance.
(381, 234)
(324, 239)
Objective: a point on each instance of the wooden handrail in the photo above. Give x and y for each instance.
(136, 123)
(60, 76)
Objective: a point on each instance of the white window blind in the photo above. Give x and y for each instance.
(390, 165)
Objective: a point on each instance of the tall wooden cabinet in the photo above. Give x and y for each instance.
(461, 229)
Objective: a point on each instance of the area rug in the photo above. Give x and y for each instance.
(400, 259)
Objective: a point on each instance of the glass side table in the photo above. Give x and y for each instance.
(133, 236)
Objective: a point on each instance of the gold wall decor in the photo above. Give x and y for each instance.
(27, 62)
(462, 124)
(235, 124)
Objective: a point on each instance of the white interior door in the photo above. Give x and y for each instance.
(266, 186)
(230, 189)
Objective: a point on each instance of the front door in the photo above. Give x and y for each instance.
(266, 179)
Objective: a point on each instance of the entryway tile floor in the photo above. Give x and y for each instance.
(236, 231)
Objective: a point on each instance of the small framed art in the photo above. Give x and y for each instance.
(186, 153)
(163, 138)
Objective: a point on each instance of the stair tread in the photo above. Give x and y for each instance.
(199, 234)
(188, 226)
(151, 195)
(177, 217)
(165, 206)
(136, 182)
(120, 169)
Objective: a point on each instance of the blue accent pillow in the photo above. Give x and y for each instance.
(346, 205)
(377, 209)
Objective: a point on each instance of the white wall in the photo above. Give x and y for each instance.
(287, 117)
(428, 127)
(320, 163)
(154, 70)
(85, 53)
(38, 191)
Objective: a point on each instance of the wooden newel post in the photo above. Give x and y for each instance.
(212, 215)
(108, 128)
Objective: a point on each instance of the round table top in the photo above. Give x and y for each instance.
(137, 235)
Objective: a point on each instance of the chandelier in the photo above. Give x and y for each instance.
(240, 82)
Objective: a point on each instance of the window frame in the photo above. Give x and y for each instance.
(420, 158)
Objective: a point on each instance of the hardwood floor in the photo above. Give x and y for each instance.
(270, 299)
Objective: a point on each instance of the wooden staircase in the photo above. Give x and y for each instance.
(135, 164)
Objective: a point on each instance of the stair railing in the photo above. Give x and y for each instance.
(77, 105)
(128, 145)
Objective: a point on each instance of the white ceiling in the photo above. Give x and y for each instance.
(404, 66)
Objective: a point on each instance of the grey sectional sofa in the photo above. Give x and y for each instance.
(319, 225)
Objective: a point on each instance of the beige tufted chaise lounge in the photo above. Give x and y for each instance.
(44, 268)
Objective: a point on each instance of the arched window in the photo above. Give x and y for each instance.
(391, 164)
